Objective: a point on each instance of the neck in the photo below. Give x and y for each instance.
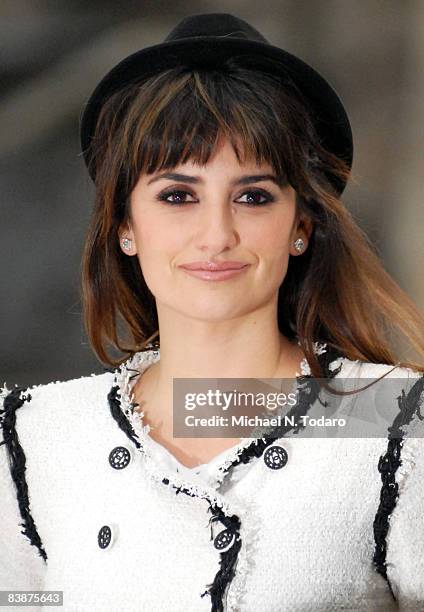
(249, 347)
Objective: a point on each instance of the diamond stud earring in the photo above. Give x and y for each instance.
(298, 245)
(126, 243)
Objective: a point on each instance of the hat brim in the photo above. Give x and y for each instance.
(330, 117)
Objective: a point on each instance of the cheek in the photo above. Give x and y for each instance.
(155, 237)
(157, 245)
(270, 238)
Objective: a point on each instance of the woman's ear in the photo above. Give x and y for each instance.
(126, 239)
(300, 236)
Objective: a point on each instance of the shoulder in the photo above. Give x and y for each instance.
(404, 384)
(381, 398)
(81, 388)
(386, 381)
(366, 369)
(43, 431)
(38, 408)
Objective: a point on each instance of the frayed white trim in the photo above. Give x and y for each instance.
(335, 364)
(407, 464)
(125, 379)
(412, 446)
(318, 348)
(221, 469)
(4, 391)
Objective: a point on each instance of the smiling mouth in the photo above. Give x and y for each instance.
(214, 265)
(216, 275)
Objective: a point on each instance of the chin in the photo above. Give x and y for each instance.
(213, 313)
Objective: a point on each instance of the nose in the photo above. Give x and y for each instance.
(216, 227)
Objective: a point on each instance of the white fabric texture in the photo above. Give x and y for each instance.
(306, 530)
(204, 470)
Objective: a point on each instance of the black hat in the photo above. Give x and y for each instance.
(207, 40)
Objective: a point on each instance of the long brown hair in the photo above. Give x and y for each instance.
(336, 292)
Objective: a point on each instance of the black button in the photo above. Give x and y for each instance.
(275, 457)
(119, 457)
(224, 538)
(104, 536)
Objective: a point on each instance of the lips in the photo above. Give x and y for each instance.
(212, 266)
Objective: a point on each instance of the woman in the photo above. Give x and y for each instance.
(216, 147)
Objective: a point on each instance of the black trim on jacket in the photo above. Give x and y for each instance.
(17, 462)
(388, 464)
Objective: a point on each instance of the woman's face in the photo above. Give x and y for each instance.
(219, 212)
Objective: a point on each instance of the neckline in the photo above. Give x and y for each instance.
(125, 377)
(128, 372)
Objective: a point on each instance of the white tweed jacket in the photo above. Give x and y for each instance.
(93, 507)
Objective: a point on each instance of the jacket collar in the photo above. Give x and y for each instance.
(125, 377)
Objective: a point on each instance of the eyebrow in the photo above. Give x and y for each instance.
(242, 180)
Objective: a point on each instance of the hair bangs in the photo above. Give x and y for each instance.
(190, 120)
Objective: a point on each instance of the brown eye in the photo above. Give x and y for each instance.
(180, 197)
(258, 193)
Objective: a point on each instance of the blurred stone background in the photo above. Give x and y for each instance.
(53, 53)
